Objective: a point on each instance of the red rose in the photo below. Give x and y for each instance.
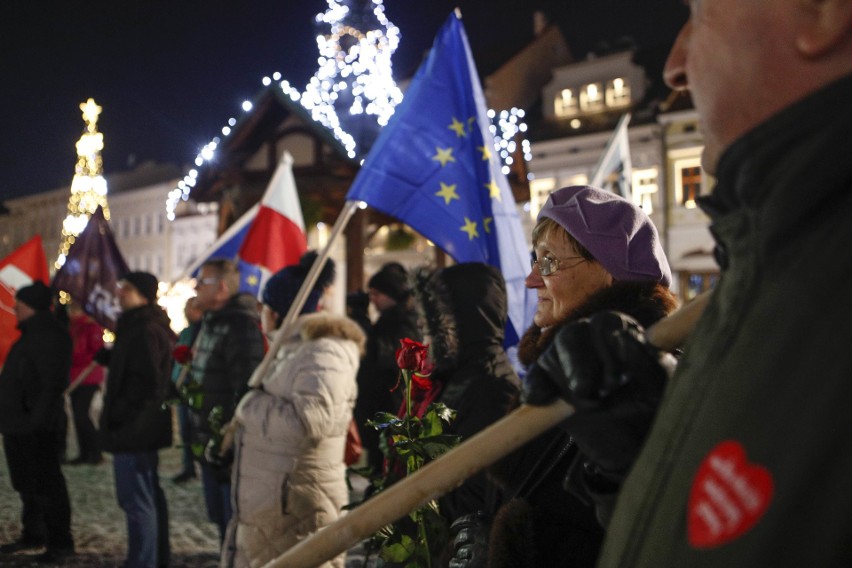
(182, 354)
(413, 356)
(421, 382)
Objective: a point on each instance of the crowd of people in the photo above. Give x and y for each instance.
(725, 462)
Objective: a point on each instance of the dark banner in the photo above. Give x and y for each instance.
(91, 271)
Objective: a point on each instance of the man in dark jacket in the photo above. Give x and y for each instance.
(230, 345)
(134, 423)
(745, 464)
(31, 385)
(389, 293)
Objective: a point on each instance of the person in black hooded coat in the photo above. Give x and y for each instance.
(464, 309)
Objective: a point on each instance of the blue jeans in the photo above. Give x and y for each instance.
(217, 497)
(185, 428)
(140, 496)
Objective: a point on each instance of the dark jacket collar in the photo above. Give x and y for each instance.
(776, 155)
(239, 304)
(646, 302)
(38, 320)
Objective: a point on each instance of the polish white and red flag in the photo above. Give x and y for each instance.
(22, 267)
(277, 237)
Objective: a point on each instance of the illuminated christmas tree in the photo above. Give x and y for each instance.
(88, 188)
(353, 92)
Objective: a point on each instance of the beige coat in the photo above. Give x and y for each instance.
(289, 475)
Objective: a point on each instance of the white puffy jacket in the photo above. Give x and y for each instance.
(289, 476)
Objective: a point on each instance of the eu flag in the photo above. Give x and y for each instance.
(433, 167)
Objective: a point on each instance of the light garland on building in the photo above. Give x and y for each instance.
(88, 188)
(355, 67)
(505, 127)
(354, 73)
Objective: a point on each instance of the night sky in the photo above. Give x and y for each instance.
(169, 73)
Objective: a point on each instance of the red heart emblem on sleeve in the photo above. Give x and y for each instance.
(729, 495)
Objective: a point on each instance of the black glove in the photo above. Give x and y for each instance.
(604, 368)
(470, 540)
(103, 357)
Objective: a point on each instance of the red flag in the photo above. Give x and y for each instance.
(25, 265)
(276, 237)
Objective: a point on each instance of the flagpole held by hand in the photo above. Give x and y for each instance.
(346, 213)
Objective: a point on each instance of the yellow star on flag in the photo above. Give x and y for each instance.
(470, 122)
(251, 280)
(444, 155)
(486, 224)
(493, 190)
(448, 192)
(458, 128)
(486, 153)
(469, 227)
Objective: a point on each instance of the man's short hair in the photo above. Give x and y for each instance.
(226, 271)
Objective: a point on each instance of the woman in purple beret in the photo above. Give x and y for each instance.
(593, 251)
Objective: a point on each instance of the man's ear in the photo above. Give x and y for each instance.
(826, 24)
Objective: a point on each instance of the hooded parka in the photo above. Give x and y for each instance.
(464, 309)
(289, 476)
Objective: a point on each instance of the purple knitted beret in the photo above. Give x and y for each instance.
(618, 234)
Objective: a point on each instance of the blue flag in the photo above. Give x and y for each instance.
(91, 271)
(228, 246)
(433, 167)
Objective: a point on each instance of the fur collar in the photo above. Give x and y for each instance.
(646, 302)
(324, 324)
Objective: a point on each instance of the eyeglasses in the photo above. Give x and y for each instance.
(202, 281)
(548, 265)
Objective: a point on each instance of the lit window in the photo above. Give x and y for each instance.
(617, 93)
(691, 183)
(591, 98)
(566, 103)
(540, 188)
(688, 181)
(645, 188)
(694, 283)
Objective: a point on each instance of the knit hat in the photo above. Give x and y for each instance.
(282, 287)
(391, 280)
(619, 234)
(37, 296)
(145, 283)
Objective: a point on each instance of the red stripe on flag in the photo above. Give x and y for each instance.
(26, 262)
(273, 241)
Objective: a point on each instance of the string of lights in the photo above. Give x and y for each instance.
(353, 93)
